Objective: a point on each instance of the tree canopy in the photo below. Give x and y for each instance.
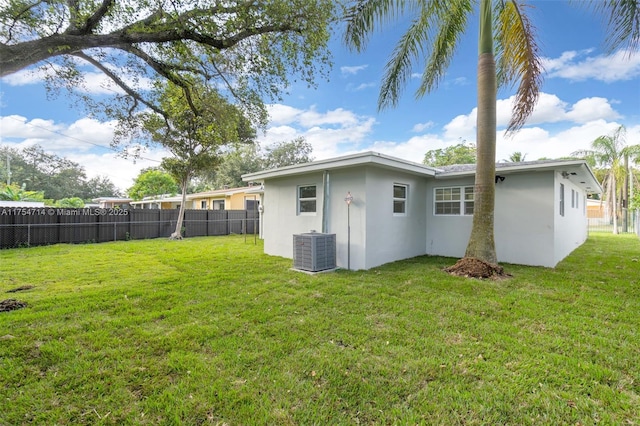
(152, 181)
(456, 154)
(252, 48)
(195, 130)
(296, 151)
(56, 177)
(250, 159)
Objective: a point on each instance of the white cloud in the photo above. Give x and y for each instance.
(282, 114)
(121, 171)
(82, 135)
(462, 127)
(578, 66)
(589, 109)
(420, 127)
(361, 86)
(352, 70)
(85, 141)
(330, 132)
(549, 109)
(95, 83)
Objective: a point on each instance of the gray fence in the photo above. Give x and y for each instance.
(20, 227)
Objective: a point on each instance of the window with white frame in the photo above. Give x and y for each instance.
(400, 199)
(562, 199)
(454, 200)
(203, 204)
(306, 199)
(218, 204)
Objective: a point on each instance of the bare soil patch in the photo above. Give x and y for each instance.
(475, 268)
(21, 288)
(11, 305)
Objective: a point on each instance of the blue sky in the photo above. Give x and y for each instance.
(585, 94)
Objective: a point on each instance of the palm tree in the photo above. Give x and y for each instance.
(14, 192)
(516, 157)
(435, 31)
(610, 153)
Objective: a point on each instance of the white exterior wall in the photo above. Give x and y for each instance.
(570, 229)
(446, 235)
(393, 237)
(280, 217)
(528, 227)
(376, 235)
(523, 220)
(341, 182)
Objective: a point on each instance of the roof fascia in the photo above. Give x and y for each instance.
(366, 158)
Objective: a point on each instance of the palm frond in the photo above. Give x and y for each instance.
(518, 60)
(363, 17)
(453, 21)
(409, 49)
(623, 21)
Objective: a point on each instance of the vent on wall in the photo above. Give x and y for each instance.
(314, 251)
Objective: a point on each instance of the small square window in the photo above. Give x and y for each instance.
(399, 200)
(306, 199)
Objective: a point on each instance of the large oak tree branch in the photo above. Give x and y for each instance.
(21, 55)
(128, 90)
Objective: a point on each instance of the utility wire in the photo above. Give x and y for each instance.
(78, 139)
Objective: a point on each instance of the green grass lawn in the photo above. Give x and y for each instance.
(212, 331)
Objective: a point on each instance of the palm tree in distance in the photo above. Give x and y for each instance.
(609, 152)
(434, 32)
(516, 157)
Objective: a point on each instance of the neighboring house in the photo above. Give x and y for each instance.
(402, 209)
(112, 202)
(158, 202)
(245, 198)
(225, 199)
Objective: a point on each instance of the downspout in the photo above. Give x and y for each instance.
(325, 201)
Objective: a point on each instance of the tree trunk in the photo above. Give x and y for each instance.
(614, 189)
(481, 242)
(624, 200)
(177, 234)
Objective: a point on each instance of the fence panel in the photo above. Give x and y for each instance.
(7, 228)
(77, 226)
(114, 227)
(144, 224)
(42, 226)
(236, 220)
(167, 224)
(217, 222)
(195, 223)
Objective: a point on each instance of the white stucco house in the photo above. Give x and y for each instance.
(402, 209)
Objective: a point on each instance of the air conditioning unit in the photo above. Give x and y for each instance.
(314, 251)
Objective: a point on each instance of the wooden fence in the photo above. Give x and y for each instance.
(21, 227)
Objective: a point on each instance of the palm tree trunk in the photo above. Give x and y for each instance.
(481, 242)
